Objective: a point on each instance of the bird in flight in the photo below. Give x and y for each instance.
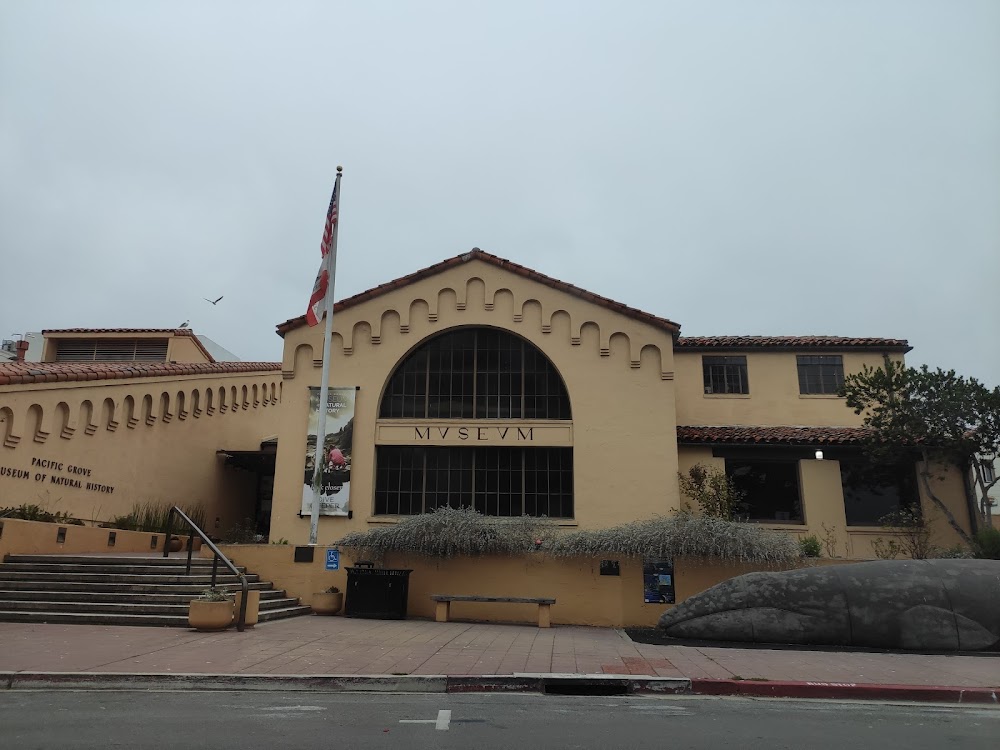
(213, 301)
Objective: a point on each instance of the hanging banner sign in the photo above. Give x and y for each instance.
(335, 455)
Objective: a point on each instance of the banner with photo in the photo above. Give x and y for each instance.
(335, 496)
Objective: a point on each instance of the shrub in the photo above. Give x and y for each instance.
(28, 512)
(682, 535)
(215, 595)
(914, 534)
(987, 544)
(712, 490)
(449, 532)
(955, 552)
(149, 516)
(810, 546)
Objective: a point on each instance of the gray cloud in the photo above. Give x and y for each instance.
(767, 167)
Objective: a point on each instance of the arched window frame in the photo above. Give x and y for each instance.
(475, 373)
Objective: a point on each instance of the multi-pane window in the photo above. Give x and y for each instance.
(820, 374)
(770, 489)
(725, 374)
(476, 373)
(873, 492)
(494, 480)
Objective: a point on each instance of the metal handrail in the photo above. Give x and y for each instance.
(216, 556)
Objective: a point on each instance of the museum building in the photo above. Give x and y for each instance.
(475, 382)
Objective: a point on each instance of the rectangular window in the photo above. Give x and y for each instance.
(873, 492)
(988, 474)
(725, 374)
(820, 375)
(496, 481)
(770, 489)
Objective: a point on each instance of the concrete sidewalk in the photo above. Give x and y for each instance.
(340, 646)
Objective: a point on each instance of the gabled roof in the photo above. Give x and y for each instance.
(20, 373)
(506, 265)
(828, 343)
(760, 435)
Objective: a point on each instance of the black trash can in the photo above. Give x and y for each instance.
(377, 593)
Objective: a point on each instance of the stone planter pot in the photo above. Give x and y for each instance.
(253, 607)
(204, 615)
(325, 603)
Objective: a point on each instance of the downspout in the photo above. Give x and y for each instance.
(970, 499)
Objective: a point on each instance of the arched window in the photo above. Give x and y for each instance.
(475, 373)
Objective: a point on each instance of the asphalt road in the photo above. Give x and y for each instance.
(352, 721)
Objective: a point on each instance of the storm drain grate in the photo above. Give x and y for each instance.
(586, 687)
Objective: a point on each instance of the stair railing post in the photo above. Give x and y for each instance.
(190, 550)
(166, 541)
(241, 621)
(215, 568)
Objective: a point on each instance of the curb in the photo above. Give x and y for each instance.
(847, 691)
(556, 684)
(523, 683)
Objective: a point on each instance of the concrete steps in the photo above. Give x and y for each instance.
(120, 590)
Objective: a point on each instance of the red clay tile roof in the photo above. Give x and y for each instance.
(506, 265)
(830, 343)
(755, 435)
(20, 373)
(174, 331)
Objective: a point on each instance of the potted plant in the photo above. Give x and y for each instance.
(213, 610)
(328, 602)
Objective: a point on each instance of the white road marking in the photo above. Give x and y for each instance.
(441, 722)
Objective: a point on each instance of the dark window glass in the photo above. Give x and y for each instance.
(496, 481)
(820, 374)
(770, 489)
(725, 374)
(873, 492)
(475, 373)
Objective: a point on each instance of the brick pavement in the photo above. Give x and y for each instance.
(338, 645)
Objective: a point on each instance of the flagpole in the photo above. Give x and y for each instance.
(324, 386)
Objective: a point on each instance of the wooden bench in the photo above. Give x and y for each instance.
(444, 601)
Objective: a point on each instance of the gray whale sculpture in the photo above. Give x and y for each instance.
(940, 605)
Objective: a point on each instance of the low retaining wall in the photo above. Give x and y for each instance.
(19, 537)
(583, 596)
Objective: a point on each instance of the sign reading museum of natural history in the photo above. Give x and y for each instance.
(335, 495)
(48, 472)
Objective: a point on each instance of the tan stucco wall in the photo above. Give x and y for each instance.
(774, 397)
(151, 439)
(618, 373)
(34, 538)
(824, 515)
(583, 596)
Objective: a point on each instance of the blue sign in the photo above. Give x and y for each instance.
(333, 559)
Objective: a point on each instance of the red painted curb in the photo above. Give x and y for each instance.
(848, 690)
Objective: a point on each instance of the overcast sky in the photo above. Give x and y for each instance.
(742, 167)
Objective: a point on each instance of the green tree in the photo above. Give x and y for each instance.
(936, 416)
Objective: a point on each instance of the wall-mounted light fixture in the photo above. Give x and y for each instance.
(819, 455)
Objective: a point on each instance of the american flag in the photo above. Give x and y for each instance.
(317, 301)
